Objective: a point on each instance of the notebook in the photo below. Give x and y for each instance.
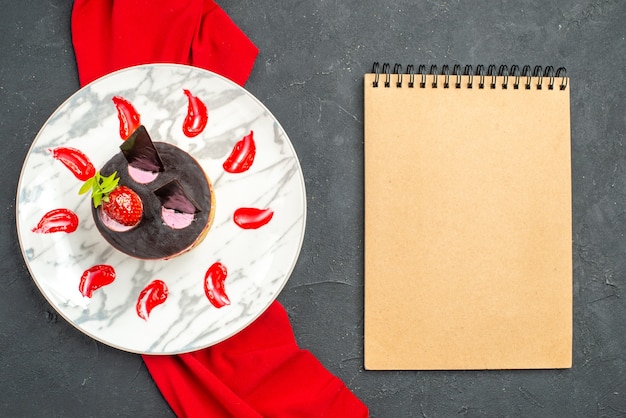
(468, 218)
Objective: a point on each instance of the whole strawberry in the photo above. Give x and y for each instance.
(120, 203)
(123, 206)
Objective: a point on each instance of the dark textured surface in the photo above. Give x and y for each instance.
(309, 74)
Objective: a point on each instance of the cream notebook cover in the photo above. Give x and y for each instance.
(468, 219)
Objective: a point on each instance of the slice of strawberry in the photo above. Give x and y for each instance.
(124, 206)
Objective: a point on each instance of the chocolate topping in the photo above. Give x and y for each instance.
(172, 196)
(182, 176)
(140, 152)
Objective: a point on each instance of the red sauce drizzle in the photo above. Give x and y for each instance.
(57, 220)
(128, 116)
(94, 278)
(252, 218)
(214, 285)
(242, 155)
(76, 161)
(151, 296)
(197, 115)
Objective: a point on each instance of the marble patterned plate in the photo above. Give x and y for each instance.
(258, 260)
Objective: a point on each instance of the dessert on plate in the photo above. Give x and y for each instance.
(151, 200)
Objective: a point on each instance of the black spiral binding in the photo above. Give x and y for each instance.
(527, 78)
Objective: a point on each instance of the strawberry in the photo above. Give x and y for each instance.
(123, 206)
(120, 203)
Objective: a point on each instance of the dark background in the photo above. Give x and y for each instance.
(313, 55)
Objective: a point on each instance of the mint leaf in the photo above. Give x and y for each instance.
(86, 186)
(96, 200)
(100, 187)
